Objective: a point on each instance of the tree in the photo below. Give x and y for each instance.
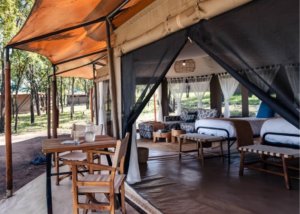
(12, 16)
(19, 65)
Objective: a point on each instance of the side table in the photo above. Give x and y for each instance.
(176, 133)
(165, 135)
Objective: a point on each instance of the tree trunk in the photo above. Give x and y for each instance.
(16, 109)
(37, 102)
(31, 106)
(87, 95)
(72, 98)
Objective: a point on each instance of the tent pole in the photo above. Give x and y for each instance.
(8, 146)
(48, 109)
(112, 81)
(61, 72)
(54, 110)
(79, 57)
(165, 98)
(95, 95)
(154, 106)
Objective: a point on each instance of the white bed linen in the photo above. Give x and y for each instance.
(255, 123)
(280, 125)
(224, 124)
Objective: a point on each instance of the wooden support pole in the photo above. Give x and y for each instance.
(245, 101)
(112, 81)
(164, 101)
(91, 105)
(215, 94)
(8, 146)
(95, 95)
(54, 109)
(154, 106)
(49, 109)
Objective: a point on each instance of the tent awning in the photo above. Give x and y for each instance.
(69, 29)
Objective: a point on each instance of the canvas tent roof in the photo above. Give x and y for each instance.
(72, 29)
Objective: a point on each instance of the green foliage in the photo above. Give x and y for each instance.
(80, 114)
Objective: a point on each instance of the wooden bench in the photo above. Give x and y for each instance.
(201, 141)
(269, 151)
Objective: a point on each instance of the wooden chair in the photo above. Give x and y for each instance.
(79, 130)
(108, 184)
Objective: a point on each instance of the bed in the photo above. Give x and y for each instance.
(279, 132)
(233, 130)
(226, 127)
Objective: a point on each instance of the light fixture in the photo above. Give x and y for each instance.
(185, 66)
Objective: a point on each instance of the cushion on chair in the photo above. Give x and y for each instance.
(73, 156)
(264, 111)
(191, 117)
(206, 113)
(183, 114)
(100, 189)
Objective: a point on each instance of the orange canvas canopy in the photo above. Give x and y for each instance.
(72, 31)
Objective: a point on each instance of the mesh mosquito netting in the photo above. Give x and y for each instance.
(142, 71)
(258, 44)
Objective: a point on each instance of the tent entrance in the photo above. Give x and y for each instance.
(257, 51)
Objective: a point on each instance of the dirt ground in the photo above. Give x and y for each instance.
(23, 152)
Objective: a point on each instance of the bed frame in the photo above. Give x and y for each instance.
(285, 145)
(267, 149)
(230, 140)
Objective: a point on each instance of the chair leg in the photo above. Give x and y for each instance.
(123, 198)
(242, 159)
(112, 203)
(285, 173)
(57, 167)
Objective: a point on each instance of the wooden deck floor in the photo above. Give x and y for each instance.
(175, 186)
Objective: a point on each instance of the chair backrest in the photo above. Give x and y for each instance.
(120, 152)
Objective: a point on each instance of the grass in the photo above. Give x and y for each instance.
(24, 126)
(191, 102)
(83, 115)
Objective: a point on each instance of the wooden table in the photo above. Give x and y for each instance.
(54, 145)
(176, 133)
(165, 135)
(201, 141)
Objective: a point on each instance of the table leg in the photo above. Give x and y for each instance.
(48, 183)
(201, 152)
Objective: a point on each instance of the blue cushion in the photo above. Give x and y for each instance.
(264, 111)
